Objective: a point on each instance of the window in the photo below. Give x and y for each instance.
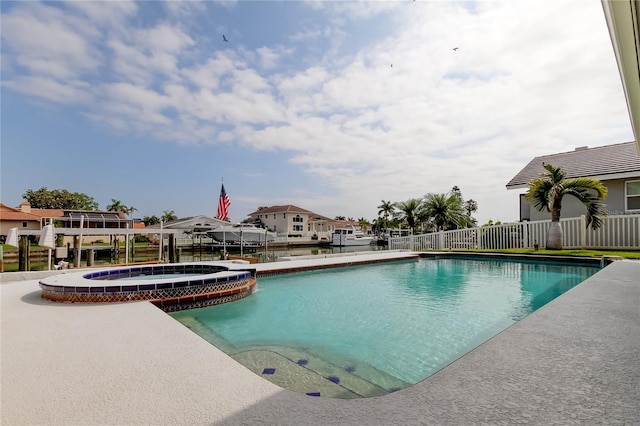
(632, 193)
(297, 228)
(25, 224)
(297, 218)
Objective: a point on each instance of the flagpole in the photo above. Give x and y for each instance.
(222, 214)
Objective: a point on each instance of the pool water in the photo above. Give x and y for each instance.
(370, 330)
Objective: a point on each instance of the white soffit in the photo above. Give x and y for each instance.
(622, 19)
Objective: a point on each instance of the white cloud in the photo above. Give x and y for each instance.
(184, 9)
(268, 58)
(403, 115)
(162, 38)
(97, 13)
(45, 41)
(50, 89)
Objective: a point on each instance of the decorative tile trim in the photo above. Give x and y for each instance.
(213, 284)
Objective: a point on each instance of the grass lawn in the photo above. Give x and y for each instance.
(629, 254)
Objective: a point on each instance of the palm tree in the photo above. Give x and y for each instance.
(409, 212)
(386, 209)
(546, 192)
(168, 216)
(364, 224)
(446, 211)
(150, 220)
(117, 206)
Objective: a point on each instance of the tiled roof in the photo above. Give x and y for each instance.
(289, 208)
(9, 213)
(603, 162)
(48, 212)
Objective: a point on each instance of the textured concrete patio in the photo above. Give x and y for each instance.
(575, 361)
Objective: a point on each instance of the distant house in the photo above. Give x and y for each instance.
(616, 166)
(30, 219)
(294, 221)
(20, 218)
(284, 220)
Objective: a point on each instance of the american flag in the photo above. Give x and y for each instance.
(223, 204)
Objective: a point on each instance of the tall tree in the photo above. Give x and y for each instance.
(117, 206)
(455, 191)
(386, 209)
(470, 206)
(408, 212)
(547, 191)
(364, 224)
(150, 220)
(59, 199)
(168, 216)
(446, 211)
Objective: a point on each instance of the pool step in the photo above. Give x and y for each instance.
(301, 372)
(297, 370)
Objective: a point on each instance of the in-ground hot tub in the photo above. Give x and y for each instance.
(172, 287)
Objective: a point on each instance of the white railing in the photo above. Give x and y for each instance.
(194, 241)
(616, 232)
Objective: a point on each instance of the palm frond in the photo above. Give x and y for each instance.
(539, 194)
(552, 186)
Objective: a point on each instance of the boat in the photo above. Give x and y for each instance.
(350, 236)
(241, 233)
(383, 239)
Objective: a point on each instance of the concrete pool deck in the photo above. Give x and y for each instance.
(574, 361)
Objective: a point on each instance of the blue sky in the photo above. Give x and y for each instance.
(332, 106)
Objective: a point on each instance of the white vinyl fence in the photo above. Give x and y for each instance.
(616, 232)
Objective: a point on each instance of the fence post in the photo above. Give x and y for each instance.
(583, 231)
(441, 240)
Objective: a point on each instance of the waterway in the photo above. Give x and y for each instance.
(38, 260)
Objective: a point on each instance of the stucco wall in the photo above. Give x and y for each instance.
(282, 222)
(5, 225)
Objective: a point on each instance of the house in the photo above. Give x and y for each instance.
(616, 166)
(20, 218)
(286, 220)
(293, 221)
(27, 218)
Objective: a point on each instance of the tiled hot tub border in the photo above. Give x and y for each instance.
(168, 293)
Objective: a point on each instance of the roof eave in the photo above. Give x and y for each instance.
(622, 20)
(613, 176)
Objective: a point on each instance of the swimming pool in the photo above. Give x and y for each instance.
(370, 330)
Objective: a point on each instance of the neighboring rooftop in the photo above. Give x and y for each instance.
(10, 213)
(288, 208)
(603, 162)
